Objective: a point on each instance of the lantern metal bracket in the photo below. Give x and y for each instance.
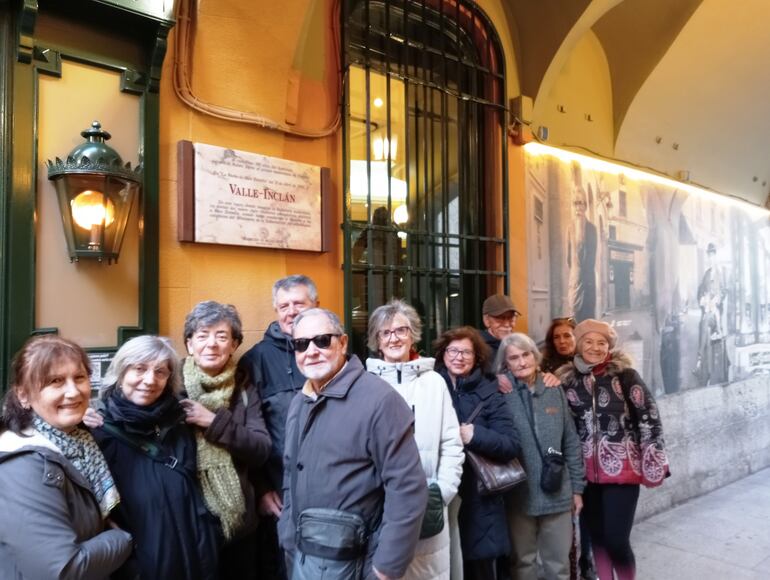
(47, 61)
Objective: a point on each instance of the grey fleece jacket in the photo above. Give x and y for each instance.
(356, 453)
(555, 428)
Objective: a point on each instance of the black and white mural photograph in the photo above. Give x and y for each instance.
(680, 273)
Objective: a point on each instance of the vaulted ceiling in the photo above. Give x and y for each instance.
(690, 80)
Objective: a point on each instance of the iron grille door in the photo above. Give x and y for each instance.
(425, 157)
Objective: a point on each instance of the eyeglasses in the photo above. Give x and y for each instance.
(159, 372)
(400, 332)
(320, 340)
(459, 353)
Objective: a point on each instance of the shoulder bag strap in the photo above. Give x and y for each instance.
(530, 413)
(145, 446)
(472, 417)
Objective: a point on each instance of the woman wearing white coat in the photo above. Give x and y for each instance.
(394, 329)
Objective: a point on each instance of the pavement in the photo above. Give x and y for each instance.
(724, 535)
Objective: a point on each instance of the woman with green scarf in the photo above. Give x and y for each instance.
(232, 439)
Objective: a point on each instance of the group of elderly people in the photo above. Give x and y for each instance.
(181, 469)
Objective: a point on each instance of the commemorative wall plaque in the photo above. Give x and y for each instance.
(233, 197)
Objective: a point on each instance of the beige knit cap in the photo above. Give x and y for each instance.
(593, 325)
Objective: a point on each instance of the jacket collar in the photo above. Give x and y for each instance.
(492, 341)
(618, 363)
(340, 384)
(275, 335)
(11, 442)
(522, 386)
(401, 372)
(476, 382)
(13, 445)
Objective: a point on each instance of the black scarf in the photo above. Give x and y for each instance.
(157, 418)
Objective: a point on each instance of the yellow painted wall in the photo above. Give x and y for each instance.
(244, 59)
(583, 88)
(517, 231)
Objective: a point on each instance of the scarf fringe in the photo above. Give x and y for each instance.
(218, 478)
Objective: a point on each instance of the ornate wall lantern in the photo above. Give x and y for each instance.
(96, 193)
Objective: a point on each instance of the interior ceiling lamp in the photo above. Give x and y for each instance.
(381, 146)
(95, 192)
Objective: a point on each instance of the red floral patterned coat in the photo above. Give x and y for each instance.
(618, 424)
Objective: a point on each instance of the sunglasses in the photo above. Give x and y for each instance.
(320, 340)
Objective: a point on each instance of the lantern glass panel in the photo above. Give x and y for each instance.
(95, 209)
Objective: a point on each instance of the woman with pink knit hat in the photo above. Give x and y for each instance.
(622, 440)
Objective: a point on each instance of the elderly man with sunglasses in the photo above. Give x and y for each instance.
(354, 489)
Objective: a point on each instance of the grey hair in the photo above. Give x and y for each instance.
(520, 341)
(290, 282)
(142, 350)
(208, 313)
(385, 314)
(330, 316)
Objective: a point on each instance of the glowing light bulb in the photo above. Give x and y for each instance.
(401, 215)
(89, 210)
(378, 147)
(381, 146)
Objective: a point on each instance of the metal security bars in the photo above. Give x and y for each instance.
(425, 152)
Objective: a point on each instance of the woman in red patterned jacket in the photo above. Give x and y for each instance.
(622, 439)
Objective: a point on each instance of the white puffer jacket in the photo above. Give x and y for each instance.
(437, 434)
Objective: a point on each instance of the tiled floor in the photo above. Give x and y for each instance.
(724, 535)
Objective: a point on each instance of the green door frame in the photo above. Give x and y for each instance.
(7, 36)
(23, 57)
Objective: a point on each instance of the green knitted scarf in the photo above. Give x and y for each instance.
(216, 472)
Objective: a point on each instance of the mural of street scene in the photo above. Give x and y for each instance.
(681, 274)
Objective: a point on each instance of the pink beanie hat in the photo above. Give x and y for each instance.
(592, 325)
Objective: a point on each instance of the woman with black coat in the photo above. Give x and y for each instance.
(462, 358)
(152, 455)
